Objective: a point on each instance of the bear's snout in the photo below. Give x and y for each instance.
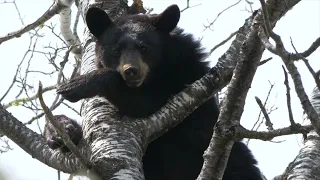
(131, 74)
(130, 71)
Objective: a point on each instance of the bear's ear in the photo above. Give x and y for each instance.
(97, 21)
(168, 19)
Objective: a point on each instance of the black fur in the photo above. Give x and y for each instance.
(54, 140)
(174, 59)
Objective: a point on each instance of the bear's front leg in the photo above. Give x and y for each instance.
(88, 85)
(72, 128)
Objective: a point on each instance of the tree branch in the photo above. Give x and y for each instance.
(266, 116)
(286, 83)
(35, 145)
(61, 131)
(55, 8)
(286, 57)
(306, 163)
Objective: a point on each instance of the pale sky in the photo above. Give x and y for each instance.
(302, 24)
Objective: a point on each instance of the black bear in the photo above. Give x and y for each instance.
(142, 61)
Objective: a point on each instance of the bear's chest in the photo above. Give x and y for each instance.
(140, 104)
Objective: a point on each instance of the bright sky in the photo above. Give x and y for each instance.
(302, 24)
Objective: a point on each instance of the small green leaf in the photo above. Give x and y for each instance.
(24, 100)
(16, 103)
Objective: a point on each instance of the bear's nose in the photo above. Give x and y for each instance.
(131, 71)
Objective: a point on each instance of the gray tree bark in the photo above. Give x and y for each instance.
(307, 162)
(115, 146)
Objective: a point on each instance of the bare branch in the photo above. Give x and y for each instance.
(6, 147)
(286, 57)
(217, 154)
(188, 6)
(73, 109)
(68, 35)
(315, 75)
(266, 18)
(24, 100)
(306, 164)
(219, 14)
(314, 46)
(53, 10)
(17, 71)
(264, 104)
(224, 41)
(286, 82)
(241, 132)
(268, 121)
(265, 61)
(42, 114)
(75, 26)
(250, 5)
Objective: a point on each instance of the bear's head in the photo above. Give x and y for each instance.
(132, 45)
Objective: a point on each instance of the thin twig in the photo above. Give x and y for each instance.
(264, 104)
(73, 109)
(188, 6)
(27, 99)
(17, 71)
(265, 61)
(219, 14)
(268, 121)
(314, 74)
(286, 82)
(314, 46)
(42, 114)
(241, 132)
(224, 41)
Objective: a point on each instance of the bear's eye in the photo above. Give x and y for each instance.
(143, 48)
(116, 52)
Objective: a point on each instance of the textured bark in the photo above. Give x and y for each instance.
(216, 156)
(116, 146)
(307, 162)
